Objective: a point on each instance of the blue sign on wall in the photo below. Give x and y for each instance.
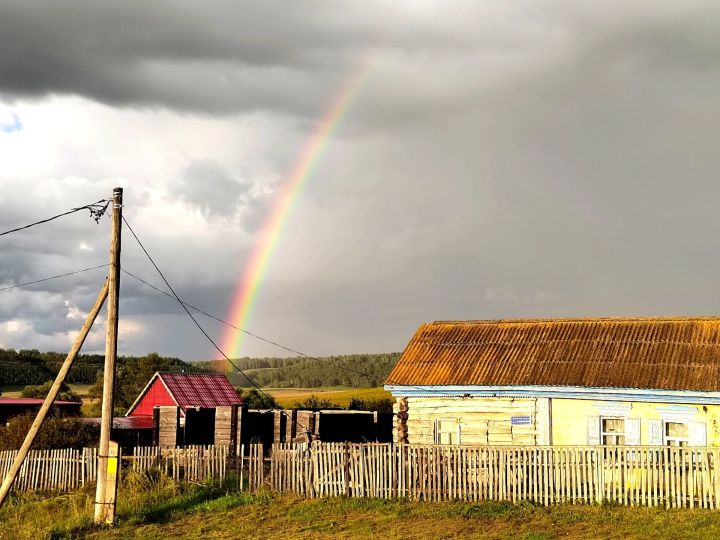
(520, 420)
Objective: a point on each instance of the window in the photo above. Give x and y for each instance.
(677, 434)
(447, 431)
(612, 431)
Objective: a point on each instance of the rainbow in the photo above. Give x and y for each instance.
(246, 291)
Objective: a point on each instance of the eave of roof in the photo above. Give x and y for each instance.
(559, 392)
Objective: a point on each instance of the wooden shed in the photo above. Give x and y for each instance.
(188, 408)
(561, 381)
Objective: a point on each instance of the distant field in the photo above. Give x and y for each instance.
(11, 390)
(286, 397)
(14, 391)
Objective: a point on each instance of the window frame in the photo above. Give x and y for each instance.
(614, 434)
(453, 431)
(667, 440)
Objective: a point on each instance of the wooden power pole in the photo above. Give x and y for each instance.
(106, 492)
(50, 398)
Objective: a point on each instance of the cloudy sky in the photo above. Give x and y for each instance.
(500, 160)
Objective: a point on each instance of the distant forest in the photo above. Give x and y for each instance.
(32, 367)
(29, 366)
(352, 370)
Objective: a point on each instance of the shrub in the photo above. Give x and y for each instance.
(42, 390)
(56, 432)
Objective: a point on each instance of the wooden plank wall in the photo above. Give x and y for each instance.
(485, 421)
(168, 424)
(223, 426)
(279, 426)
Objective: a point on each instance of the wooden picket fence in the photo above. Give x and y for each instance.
(189, 463)
(670, 477)
(45, 470)
(641, 475)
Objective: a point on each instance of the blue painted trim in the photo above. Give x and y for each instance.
(571, 392)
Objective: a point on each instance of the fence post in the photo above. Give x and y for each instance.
(346, 469)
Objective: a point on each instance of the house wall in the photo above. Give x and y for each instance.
(571, 417)
(156, 396)
(477, 420)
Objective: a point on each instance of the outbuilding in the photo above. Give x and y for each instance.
(610, 381)
(10, 407)
(186, 408)
(186, 391)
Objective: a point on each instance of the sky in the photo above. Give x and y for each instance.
(499, 160)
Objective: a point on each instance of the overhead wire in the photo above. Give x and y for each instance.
(210, 339)
(97, 209)
(53, 277)
(256, 336)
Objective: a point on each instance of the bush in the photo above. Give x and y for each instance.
(56, 432)
(384, 405)
(42, 390)
(314, 403)
(257, 400)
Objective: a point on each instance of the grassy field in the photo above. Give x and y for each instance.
(158, 510)
(14, 391)
(286, 397)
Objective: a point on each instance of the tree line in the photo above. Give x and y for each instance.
(32, 367)
(351, 370)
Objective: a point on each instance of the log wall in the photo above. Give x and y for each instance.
(482, 421)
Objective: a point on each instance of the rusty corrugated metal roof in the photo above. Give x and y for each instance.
(678, 353)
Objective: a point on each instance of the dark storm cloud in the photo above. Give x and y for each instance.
(209, 57)
(224, 57)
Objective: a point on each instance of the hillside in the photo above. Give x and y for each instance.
(30, 366)
(352, 370)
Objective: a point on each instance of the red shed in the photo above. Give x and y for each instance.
(184, 390)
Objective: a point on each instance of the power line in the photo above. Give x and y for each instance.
(211, 340)
(275, 343)
(53, 277)
(97, 209)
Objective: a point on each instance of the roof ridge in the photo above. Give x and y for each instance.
(668, 318)
(213, 373)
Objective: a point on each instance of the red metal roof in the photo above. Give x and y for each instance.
(201, 389)
(185, 390)
(669, 353)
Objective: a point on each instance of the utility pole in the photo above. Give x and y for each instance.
(108, 465)
(50, 398)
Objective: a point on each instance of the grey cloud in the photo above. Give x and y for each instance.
(222, 57)
(562, 164)
(211, 188)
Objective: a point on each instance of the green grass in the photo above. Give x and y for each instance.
(11, 390)
(15, 390)
(158, 508)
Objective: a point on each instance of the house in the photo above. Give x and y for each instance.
(10, 407)
(187, 408)
(611, 381)
(184, 390)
